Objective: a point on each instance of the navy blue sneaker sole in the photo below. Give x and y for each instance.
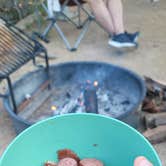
(121, 45)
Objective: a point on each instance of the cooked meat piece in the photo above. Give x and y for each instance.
(90, 162)
(67, 153)
(67, 162)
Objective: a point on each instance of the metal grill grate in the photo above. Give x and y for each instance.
(16, 49)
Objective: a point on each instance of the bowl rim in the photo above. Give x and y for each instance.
(75, 115)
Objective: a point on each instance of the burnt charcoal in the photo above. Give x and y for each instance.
(151, 94)
(90, 101)
(126, 102)
(68, 95)
(74, 109)
(107, 109)
(164, 95)
(79, 99)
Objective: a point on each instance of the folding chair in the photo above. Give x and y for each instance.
(83, 25)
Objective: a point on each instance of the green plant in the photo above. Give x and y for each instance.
(15, 10)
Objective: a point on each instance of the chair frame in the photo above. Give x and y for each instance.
(83, 25)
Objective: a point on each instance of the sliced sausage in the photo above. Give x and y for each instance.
(90, 162)
(67, 162)
(50, 163)
(67, 153)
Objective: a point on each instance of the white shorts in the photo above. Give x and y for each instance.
(53, 6)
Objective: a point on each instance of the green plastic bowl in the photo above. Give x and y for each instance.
(89, 135)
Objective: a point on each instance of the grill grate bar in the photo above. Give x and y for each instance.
(15, 40)
(15, 49)
(11, 47)
(21, 39)
(12, 59)
(13, 54)
(16, 55)
(19, 34)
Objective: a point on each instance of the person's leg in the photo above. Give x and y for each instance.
(115, 8)
(116, 11)
(121, 38)
(102, 14)
(110, 16)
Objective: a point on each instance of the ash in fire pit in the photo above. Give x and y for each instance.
(90, 97)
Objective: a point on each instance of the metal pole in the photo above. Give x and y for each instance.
(47, 68)
(12, 94)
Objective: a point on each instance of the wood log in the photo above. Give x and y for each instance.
(156, 135)
(158, 83)
(29, 106)
(90, 101)
(154, 120)
(24, 104)
(155, 100)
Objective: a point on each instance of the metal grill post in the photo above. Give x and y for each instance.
(12, 94)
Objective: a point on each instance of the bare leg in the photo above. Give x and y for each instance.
(116, 11)
(102, 14)
(110, 16)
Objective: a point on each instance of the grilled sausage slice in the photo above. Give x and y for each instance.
(67, 162)
(90, 162)
(67, 153)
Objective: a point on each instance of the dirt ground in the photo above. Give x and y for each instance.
(149, 59)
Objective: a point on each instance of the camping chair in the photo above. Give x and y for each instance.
(83, 25)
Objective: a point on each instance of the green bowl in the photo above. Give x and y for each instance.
(89, 135)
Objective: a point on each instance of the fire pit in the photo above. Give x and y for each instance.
(76, 87)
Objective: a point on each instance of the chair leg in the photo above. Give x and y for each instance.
(48, 29)
(58, 29)
(79, 17)
(80, 37)
(80, 24)
(70, 20)
(82, 34)
(45, 8)
(43, 36)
